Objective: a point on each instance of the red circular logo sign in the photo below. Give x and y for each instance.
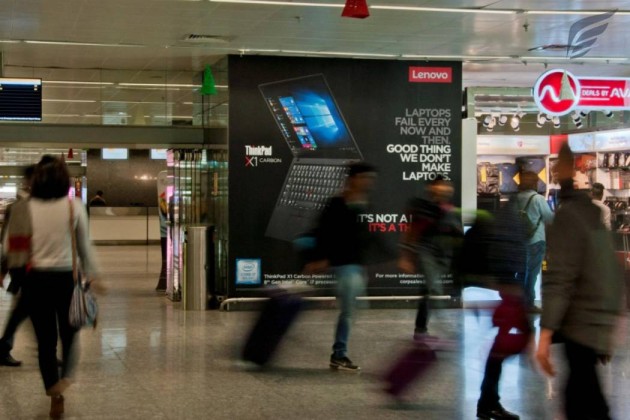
(557, 92)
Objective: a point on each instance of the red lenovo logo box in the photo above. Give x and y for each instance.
(430, 74)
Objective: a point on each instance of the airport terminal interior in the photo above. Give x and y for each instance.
(212, 141)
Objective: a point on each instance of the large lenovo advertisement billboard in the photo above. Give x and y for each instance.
(294, 125)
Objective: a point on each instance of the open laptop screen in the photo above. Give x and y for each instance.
(309, 119)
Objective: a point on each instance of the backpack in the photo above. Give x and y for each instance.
(493, 250)
(530, 227)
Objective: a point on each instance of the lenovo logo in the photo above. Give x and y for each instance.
(430, 74)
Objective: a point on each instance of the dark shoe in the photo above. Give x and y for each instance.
(8, 360)
(496, 413)
(343, 363)
(56, 407)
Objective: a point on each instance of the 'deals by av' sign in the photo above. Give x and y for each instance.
(558, 92)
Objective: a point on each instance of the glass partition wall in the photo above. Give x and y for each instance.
(199, 197)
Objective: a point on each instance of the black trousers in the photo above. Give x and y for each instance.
(18, 314)
(490, 386)
(48, 295)
(422, 316)
(584, 399)
(161, 285)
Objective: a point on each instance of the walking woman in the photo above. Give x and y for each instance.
(39, 240)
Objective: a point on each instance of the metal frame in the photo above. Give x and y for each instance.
(225, 304)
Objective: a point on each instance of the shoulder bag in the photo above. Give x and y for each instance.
(83, 306)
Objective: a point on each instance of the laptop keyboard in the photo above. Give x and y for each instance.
(310, 186)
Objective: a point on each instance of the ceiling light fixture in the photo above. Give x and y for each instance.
(465, 58)
(280, 3)
(466, 10)
(448, 9)
(515, 122)
(159, 86)
(540, 120)
(489, 122)
(573, 12)
(608, 113)
(72, 43)
(556, 121)
(336, 53)
(75, 82)
(458, 57)
(559, 58)
(87, 101)
(577, 119)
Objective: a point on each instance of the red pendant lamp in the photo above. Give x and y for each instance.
(356, 9)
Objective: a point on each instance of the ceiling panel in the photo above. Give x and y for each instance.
(159, 26)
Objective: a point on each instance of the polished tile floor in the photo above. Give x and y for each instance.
(148, 359)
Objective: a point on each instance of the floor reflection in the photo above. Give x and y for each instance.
(148, 359)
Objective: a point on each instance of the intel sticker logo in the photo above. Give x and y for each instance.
(248, 271)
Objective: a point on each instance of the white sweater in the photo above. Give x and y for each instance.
(51, 243)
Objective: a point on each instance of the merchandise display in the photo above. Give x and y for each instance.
(498, 177)
(487, 178)
(508, 177)
(538, 165)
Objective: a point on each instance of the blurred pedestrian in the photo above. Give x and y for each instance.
(98, 200)
(430, 243)
(597, 195)
(341, 242)
(505, 240)
(39, 240)
(582, 293)
(20, 311)
(536, 214)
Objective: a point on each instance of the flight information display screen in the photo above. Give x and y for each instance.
(20, 99)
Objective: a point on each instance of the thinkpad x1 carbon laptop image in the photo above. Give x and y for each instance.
(322, 146)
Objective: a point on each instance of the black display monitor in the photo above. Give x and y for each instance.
(20, 99)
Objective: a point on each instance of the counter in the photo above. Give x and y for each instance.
(124, 225)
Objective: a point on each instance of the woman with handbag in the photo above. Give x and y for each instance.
(45, 234)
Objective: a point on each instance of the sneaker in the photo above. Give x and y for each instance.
(8, 360)
(343, 363)
(496, 413)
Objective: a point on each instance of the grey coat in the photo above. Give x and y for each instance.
(583, 288)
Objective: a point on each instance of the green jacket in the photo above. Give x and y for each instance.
(583, 288)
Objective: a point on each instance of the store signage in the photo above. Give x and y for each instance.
(510, 145)
(430, 74)
(558, 92)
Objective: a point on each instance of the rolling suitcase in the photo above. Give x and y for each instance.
(408, 368)
(275, 319)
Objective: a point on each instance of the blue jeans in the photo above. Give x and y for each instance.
(432, 270)
(535, 256)
(351, 281)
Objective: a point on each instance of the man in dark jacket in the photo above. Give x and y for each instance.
(341, 243)
(581, 296)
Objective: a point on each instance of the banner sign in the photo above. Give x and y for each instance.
(558, 92)
(294, 126)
